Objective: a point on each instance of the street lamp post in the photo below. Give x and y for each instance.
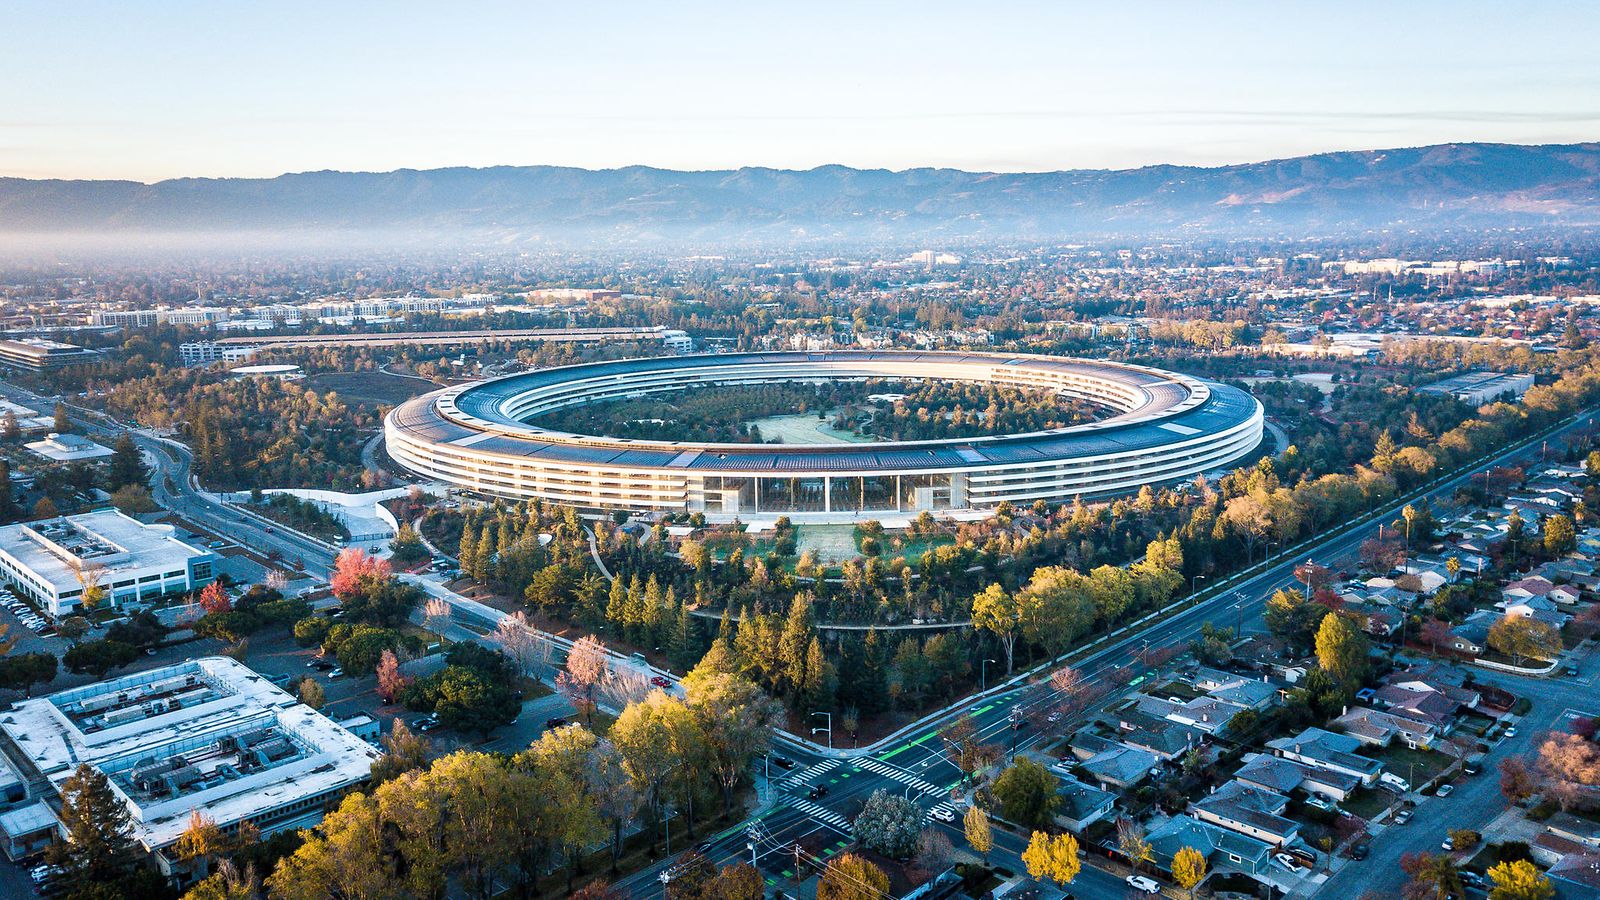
(983, 675)
(1193, 581)
(828, 729)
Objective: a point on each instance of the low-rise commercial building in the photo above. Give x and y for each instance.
(207, 735)
(1478, 388)
(39, 354)
(52, 560)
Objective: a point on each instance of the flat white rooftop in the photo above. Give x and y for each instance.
(68, 448)
(208, 734)
(56, 549)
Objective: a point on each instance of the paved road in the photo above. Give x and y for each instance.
(172, 487)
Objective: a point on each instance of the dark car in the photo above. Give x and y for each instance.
(1360, 851)
(555, 722)
(783, 762)
(661, 681)
(817, 790)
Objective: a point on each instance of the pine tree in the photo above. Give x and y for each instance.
(97, 848)
(127, 466)
(797, 633)
(617, 604)
(468, 554)
(819, 685)
(488, 553)
(682, 640)
(650, 611)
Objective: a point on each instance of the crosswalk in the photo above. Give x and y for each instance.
(822, 814)
(900, 775)
(808, 774)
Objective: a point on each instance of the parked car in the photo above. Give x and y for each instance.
(1402, 817)
(1289, 863)
(1444, 790)
(1141, 883)
(661, 681)
(1395, 782)
(1511, 732)
(1448, 844)
(1360, 851)
(1317, 801)
(555, 722)
(336, 672)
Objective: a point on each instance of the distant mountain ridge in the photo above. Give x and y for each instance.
(1437, 187)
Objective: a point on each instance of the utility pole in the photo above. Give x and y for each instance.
(983, 676)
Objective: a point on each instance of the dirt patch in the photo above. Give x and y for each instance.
(372, 387)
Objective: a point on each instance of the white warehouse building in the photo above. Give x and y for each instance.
(208, 735)
(49, 561)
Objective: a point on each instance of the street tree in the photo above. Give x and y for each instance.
(1027, 793)
(403, 751)
(587, 667)
(391, 682)
(851, 877)
(737, 720)
(1432, 876)
(889, 824)
(995, 611)
(979, 833)
(1053, 857)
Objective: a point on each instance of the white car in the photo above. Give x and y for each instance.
(942, 814)
(1317, 801)
(1289, 862)
(1395, 782)
(1141, 883)
(1511, 732)
(1444, 790)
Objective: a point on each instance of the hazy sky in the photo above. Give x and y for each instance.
(151, 90)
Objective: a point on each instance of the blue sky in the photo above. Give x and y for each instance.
(151, 90)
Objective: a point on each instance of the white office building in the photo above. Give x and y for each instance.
(50, 560)
(209, 734)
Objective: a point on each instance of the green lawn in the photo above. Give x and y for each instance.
(1416, 766)
(1367, 802)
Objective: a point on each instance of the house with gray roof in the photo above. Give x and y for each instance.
(1249, 810)
(1274, 773)
(1321, 749)
(1222, 848)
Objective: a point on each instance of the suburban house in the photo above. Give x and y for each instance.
(1322, 749)
(1274, 773)
(1576, 876)
(1248, 810)
(1163, 737)
(1121, 766)
(1082, 805)
(1223, 849)
(1376, 728)
(1472, 636)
